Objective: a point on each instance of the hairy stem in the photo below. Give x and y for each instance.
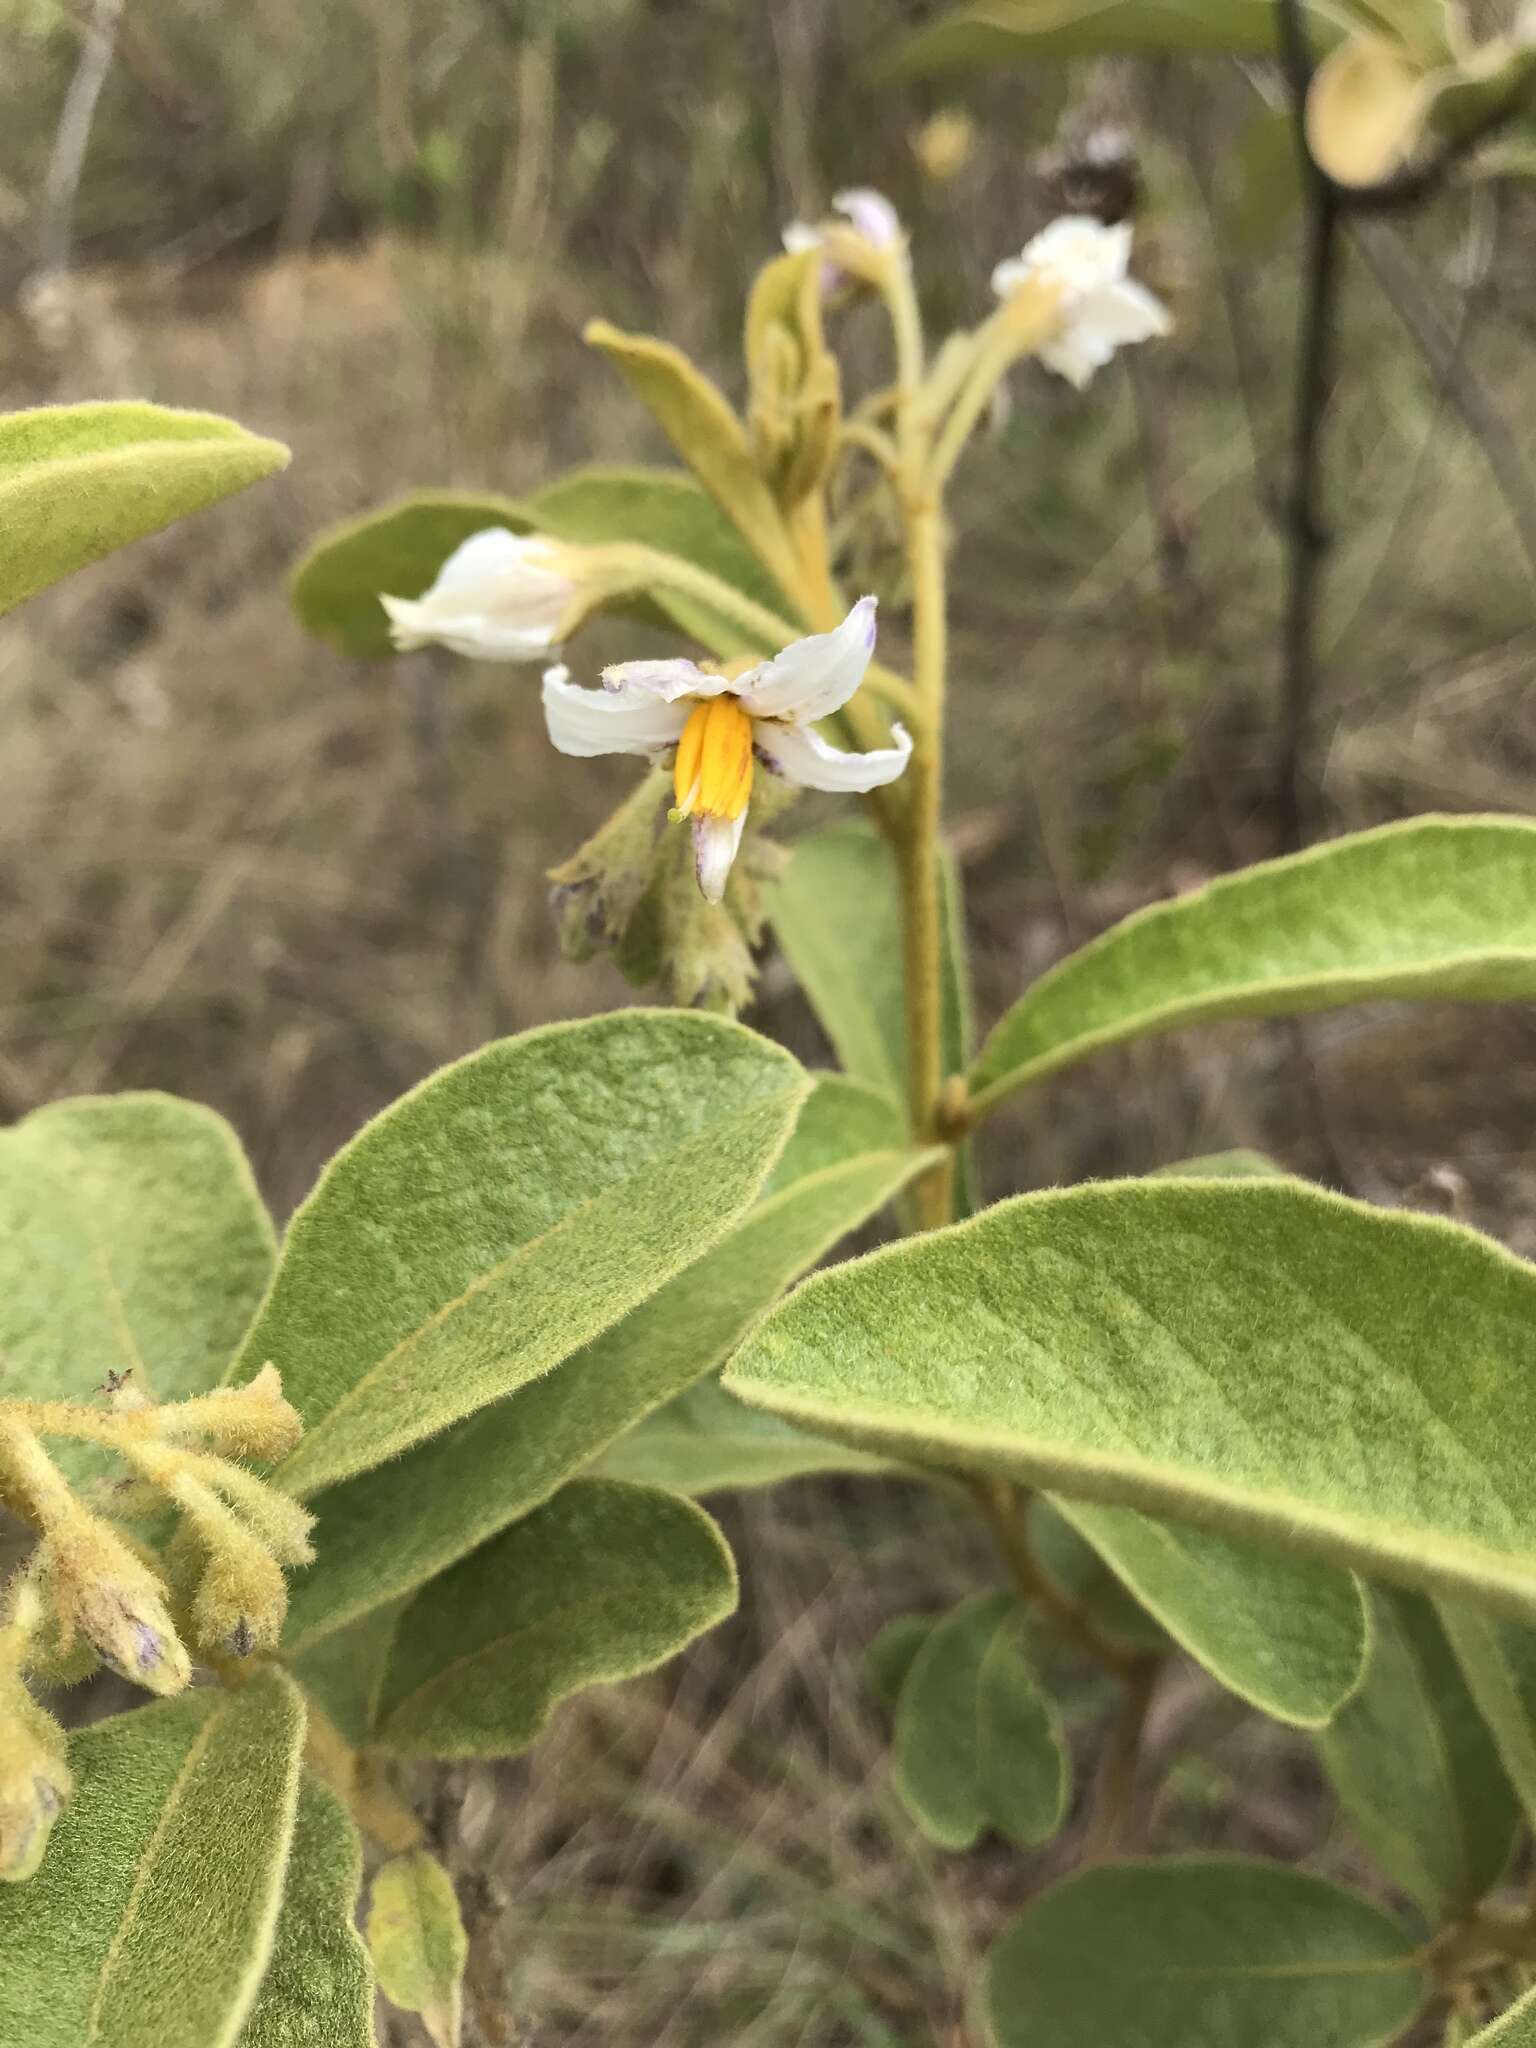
(1305, 535)
(1005, 1507)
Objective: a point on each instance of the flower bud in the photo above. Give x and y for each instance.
(102, 1592)
(253, 1421)
(34, 1783)
(240, 1601)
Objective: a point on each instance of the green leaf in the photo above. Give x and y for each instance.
(1077, 1569)
(707, 434)
(935, 1766)
(1239, 1164)
(505, 1213)
(318, 1990)
(706, 1441)
(388, 1530)
(1287, 1635)
(837, 914)
(132, 1239)
(152, 1917)
(342, 1671)
(603, 1582)
(418, 1943)
(1205, 1951)
(1022, 1770)
(1415, 1767)
(664, 509)
(1498, 1660)
(892, 1654)
(1513, 2029)
(79, 481)
(1003, 32)
(1259, 1357)
(398, 549)
(1431, 908)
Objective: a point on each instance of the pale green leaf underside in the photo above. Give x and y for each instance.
(1262, 1358)
(132, 1238)
(934, 1760)
(1205, 1952)
(318, 1987)
(150, 1921)
(1498, 1660)
(1415, 1768)
(387, 1531)
(706, 1441)
(503, 1214)
(78, 481)
(1433, 907)
(417, 1942)
(1022, 1769)
(1286, 1634)
(601, 1583)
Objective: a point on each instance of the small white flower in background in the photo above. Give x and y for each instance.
(720, 725)
(499, 597)
(1101, 309)
(868, 218)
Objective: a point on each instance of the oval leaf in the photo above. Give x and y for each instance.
(1513, 2029)
(1205, 1951)
(388, 1530)
(1433, 907)
(935, 1766)
(1022, 1769)
(1366, 111)
(418, 1944)
(1415, 1767)
(1260, 1357)
(1498, 1660)
(706, 1441)
(1287, 1635)
(318, 1989)
(603, 1582)
(79, 481)
(151, 1919)
(506, 1212)
(398, 549)
(132, 1240)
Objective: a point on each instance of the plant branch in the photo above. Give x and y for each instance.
(1305, 536)
(1004, 1507)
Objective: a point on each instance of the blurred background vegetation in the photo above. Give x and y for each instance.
(238, 867)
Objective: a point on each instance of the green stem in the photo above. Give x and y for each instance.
(933, 1193)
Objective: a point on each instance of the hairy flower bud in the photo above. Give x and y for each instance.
(253, 1421)
(240, 1601)
(102, 1592)
(34, 1783)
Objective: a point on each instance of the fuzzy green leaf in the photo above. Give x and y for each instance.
(1259, 1357)
(318, 1990)
(1498, 1660)
(663, 509)
(1430, 908)
(601, 1583)
(1283, 1633)
(132, 1239)
(505, 1213)
(707, 434)
(1239, 1164)
(1205, 1951)
(418, 1943)
(995, 33)
(1513, 2029)
(79, 481)
(1023, 1773)
(837, 914)
(892, 1654)
(935, 1767)
(388, 1530)
(1415, 1767)
(706, 1441)
(343, 1669)
(151, 1919)
(396, 550)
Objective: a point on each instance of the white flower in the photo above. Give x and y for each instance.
(499, 597)
(1100, 308)
(721, 725)
(868, 218)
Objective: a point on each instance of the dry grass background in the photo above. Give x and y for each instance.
(236, 866)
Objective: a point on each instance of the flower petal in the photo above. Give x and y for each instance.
(500, 596)
(816, 676)
(587, 722)
(667, 680)
(1125, 312)
(414, 624)
(802, 756)
(871, 214)
(715, 845)
(799, 235)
